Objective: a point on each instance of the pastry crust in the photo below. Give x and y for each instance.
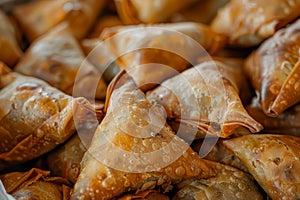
(104, 22)
(35, 118)
(249, 22)
(149, 11)
(36, 184)
(206, 97)
(128, 155)
(229, 183)
(140, 50)
(65, 160)
(287, 122)
(274, 70)
(201, 12)
(211, 150)
(57, 58)
(145, 195)
(273, 160)
(10, 51)
(38, 17)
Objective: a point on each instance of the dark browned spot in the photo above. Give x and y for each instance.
(277, 161)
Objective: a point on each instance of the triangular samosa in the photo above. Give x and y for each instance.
(206, 97)
(38, 17)
(57, 58)
(133, 149)
(35, 118)
(274, 70)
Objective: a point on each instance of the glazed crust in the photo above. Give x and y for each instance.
(38, 17)
(35, 118)
(229, 183)
(212, 86)
(274, 70)
(129, 155)
(57, 58)
(273, 160)
(249, 22)
(149, 11)
(8, 41)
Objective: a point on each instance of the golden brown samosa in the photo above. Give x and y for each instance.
(274, 70)
(133, 149)
(273, 160)
(36, 184)
(65, 160)
(249, 22)
(38, 17)
(149, 11)
(10, 51)
(153, 53)
(206, 97)
(57, 58)
(229, 183)
(35, 118)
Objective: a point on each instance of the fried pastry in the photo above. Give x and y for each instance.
(287, 122)
(273, 160)
(57, 58)
(38, 17)
(249, 22)
(65, 160)
(206, 97)
(36, 184)
(245, 90)
(10, 51)
(35, 118)
(229, 183)
(274, 70)
(149, 11)
(140, 50)
(133, 149)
